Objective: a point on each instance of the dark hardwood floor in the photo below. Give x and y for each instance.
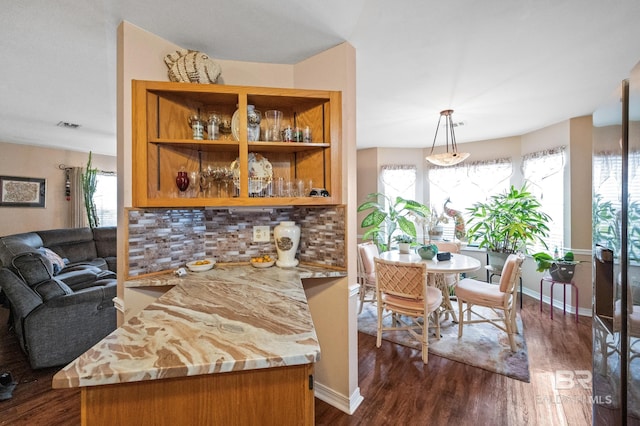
(397, 388)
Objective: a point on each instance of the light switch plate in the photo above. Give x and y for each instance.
(261, 234)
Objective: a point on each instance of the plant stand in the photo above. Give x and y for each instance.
(564, 284)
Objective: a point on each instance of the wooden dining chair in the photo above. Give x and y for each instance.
(403, 293)
(366, 272)
(501, 299)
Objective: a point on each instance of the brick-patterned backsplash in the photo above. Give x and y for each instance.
(165, 239)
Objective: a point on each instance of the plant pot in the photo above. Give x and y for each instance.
(562, 272)
(436, 232)
(404, 247)
(497, 259)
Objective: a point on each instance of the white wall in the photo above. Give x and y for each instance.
(334, 69)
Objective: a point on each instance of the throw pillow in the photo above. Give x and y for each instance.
(57, 262)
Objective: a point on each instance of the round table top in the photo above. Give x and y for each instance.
(458, 262)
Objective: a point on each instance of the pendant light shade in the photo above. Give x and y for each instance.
(447, 158)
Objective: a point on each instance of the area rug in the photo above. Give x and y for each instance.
(482, 345)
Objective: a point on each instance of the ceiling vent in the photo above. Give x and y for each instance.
(67, 125)
(456, 124)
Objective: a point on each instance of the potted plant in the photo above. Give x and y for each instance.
(436, 220)
(388, 216)
(507, 223)
(560, 268)
(404, 242)
(89, 182)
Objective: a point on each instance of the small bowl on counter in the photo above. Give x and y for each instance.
(201, 265)
(264, 261)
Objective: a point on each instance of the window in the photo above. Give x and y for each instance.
(399, 181)
(465, 184)
(543, 173)
(607, 202)
(106, 199)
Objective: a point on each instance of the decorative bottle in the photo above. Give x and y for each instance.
(182, 180)
(253, 123)
(287, 238)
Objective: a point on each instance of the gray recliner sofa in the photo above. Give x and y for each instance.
(59, 285)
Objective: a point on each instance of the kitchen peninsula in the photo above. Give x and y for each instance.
(233, 345)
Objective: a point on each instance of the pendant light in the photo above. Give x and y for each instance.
(447, 158)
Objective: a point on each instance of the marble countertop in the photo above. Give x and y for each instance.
(231, 318)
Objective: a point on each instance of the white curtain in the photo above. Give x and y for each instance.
(399, 180)
(77, 211)
(475, 180)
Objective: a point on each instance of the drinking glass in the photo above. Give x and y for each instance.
(213, 125)
(274, 120)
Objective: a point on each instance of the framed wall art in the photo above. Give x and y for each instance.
(22, 192)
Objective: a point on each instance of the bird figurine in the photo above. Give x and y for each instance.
(460, 232)
(191, 66)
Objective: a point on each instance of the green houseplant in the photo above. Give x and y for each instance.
(404, 242)
(387, 216)
(507, 223)
(404, 239)
(89, 182)
(561, 268)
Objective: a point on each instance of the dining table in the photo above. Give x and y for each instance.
(436, 270)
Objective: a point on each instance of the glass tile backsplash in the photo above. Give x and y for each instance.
(165, 239)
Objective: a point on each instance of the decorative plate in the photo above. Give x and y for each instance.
(201, 265)
(260, 173)
(235, 125)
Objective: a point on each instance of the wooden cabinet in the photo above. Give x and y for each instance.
(268, 396)
(163, 145)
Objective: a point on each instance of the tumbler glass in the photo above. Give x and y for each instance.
(274, 120)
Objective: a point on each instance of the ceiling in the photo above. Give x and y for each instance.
(505, 67)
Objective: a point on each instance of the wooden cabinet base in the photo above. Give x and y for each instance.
(271, 396)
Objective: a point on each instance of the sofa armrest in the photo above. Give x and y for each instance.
(100, 295)
(21, 297)
(63, 328)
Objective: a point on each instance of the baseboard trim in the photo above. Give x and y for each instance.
(337, 400)
(557, 303)
(118, 304)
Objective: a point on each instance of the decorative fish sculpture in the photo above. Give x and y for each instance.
(191, 66)
(460, 232)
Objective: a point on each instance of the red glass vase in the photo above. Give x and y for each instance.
(182, 181)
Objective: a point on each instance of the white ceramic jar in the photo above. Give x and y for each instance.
(287, 238)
